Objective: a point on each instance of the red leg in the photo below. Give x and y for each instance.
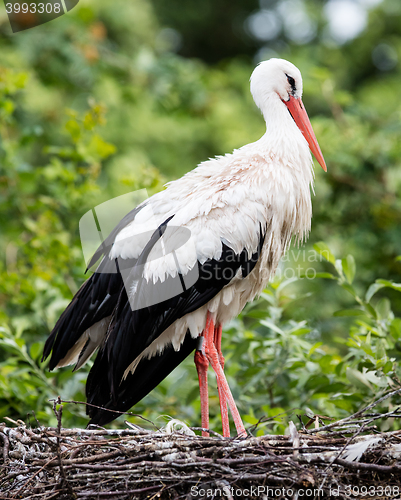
(213, 357)
(202, 365)
(222, 396)
(217, 342)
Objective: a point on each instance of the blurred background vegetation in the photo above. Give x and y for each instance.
(117, 96)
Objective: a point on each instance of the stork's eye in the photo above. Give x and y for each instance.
(291, 81)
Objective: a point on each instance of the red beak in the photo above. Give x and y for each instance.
(298, 112)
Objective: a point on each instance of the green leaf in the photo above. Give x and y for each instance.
(328, 276)
(378, 285)
(285, 283)
(299, 331)
(349, 268)
(322, 249)
(374, 379)
(73, 128)
(268, 296)
(316, 381)
(357, 379)
(36, 350)
(314, 347)
(380, 350)
(368, 327)
(370, 310)
(350, 312)
(350, 289)
(339, 267)
(342, 404)
(395, 328)
(390, 284)
(272, 326)
(375, 287)
(383, 308)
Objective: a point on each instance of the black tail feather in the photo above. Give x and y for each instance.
(148, 374)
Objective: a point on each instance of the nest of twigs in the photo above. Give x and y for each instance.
(345, 459)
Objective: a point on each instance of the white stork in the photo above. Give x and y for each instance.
(219, 233)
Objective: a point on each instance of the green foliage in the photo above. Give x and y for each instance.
(40, 244)
(282, 364)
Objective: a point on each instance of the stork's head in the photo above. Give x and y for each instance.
(278, 78)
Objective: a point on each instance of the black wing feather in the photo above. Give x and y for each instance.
(94, 301)
(131, 331)
(148, 374)
(134, 331)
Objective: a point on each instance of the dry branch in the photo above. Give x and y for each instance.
(345, 459)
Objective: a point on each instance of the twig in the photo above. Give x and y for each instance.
(96, 494)
(23, 487)
(388, 469)
(59, 401)
(6, 446)
(59, 414)
(357, 414)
